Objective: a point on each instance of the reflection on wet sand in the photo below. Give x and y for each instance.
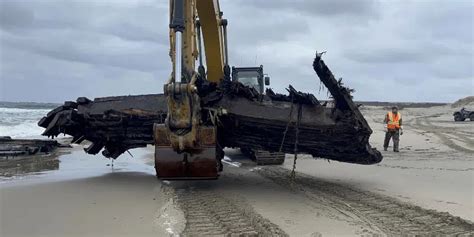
(23, 156)
(23, 165)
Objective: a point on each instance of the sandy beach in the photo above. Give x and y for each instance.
(190, 118)
(426, 188)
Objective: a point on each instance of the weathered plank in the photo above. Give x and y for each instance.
(16, 147)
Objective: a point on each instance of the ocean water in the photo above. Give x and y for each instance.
(20, 120)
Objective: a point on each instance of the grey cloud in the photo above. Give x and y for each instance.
(447, 20)
(321, 7)
(56, 80)
(147, 22)
(388, 55)
(83, 32)
(58, 50)
(453, 68)
(90, 48)
(251, 26)
(15, 15)
(405, 52)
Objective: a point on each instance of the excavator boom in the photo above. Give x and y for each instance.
(213, 33)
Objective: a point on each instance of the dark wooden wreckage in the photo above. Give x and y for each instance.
(293, 123)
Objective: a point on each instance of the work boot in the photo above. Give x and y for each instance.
(385, 148)
(396, 150)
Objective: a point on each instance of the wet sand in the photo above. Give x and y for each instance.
(119, 204)
(86, 196)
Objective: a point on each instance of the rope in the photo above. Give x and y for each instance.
(300, 112)
(287, 125)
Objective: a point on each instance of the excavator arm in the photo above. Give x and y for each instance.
(186, 144)
(190, 22)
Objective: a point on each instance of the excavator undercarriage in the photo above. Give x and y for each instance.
(262, 157)
(230, 115)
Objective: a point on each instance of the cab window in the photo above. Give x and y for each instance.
(249, 79)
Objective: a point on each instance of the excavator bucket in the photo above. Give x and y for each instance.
(200, 163)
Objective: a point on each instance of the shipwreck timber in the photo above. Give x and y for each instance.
(338, 133)
(294, 123)
(24, 147)
(113, 123)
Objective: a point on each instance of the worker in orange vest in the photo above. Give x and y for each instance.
(393, 128)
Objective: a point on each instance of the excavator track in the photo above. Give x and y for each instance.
(262, 157)
(269, 158)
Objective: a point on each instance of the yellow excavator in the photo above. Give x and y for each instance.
(185, 145)
(185, 141)
(210, 106)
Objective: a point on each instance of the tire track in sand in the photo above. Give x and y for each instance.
(209, 214)
(442, 132)
(390, 215)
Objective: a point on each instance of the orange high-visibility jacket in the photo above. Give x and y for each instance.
(393, 121)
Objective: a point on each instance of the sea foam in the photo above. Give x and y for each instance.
(21, 123)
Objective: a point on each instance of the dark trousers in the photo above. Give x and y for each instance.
(395, 135)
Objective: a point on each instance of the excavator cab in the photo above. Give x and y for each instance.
(252, 77)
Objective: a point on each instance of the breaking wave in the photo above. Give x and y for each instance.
(21, 122)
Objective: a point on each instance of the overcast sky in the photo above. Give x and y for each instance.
(51, 51)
